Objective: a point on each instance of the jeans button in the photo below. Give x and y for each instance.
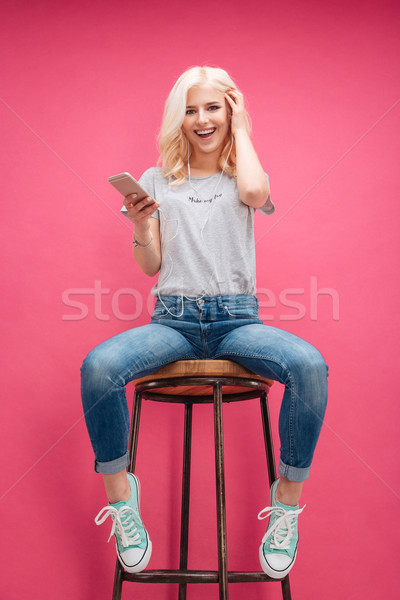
(200, 302)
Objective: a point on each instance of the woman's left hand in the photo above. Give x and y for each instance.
(236, 102)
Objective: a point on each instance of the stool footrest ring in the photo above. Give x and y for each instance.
(191, 576)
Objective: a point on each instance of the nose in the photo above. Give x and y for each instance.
(202, 116)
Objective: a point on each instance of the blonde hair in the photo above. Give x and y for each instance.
(172, 141)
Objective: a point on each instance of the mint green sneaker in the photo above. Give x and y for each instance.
(133, 544)
(279, 545)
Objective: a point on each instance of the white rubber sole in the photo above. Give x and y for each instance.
(142, 564)
(272, 572)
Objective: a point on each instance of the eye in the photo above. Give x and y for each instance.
(214, 107)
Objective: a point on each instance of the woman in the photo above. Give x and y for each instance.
(196, 230)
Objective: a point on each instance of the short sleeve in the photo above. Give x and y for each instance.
(268, 208)
(147, 183)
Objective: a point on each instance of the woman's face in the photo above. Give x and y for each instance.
(207, 119)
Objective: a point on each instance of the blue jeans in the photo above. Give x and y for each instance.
(223, 327)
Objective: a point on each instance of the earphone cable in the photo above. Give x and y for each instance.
(182, 295)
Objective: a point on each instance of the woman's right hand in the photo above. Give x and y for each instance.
(140, 212)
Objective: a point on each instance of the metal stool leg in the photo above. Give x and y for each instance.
(268, 438)
(220, 476)
(285, 583)
(119, 572)
(187, 445)
(137, 405)
(118, 580)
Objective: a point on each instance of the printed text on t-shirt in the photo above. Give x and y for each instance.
(196, 199)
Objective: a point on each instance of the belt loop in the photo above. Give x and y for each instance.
(220, 303)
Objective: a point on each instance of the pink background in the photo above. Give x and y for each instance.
(83, 88)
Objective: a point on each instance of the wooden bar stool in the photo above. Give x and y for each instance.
(197, 382)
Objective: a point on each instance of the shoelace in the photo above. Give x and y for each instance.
(123, 524)
(283, 526)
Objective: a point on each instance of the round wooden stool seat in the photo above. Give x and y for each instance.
(202, 369)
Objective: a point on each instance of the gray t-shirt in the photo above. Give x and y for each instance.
(207, 236)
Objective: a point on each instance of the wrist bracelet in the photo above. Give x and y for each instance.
(137, 245)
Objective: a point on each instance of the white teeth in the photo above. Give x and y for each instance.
(205, 132)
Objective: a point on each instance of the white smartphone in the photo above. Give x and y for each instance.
(126, 184)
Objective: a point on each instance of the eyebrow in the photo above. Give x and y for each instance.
(207, 104)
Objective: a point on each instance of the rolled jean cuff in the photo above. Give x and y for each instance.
(112, 466)
(293, 473)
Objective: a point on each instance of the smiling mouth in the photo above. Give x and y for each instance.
(205, 134)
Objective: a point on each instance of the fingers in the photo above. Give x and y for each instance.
(147, 203)
(230, 100)
(138, 211)
(234, 93)
(235, 99)
(129, 201)
(147, 206)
